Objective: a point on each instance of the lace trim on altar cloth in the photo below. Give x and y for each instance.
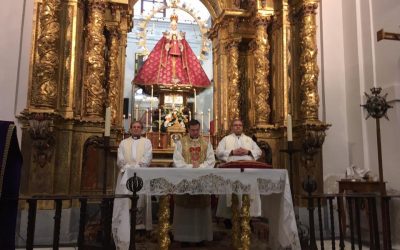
(214, 184)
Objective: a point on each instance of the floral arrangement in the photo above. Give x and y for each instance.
(171, 116)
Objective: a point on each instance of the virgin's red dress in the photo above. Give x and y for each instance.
(166, 67)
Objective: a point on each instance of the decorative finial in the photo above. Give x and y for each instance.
(376, 105)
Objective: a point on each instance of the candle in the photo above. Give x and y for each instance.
(159, 119)
(209, 119)
(190, 115)
(124, 121)
(147, 118)
(137, 113)
(216, 125)
(129, 120)
(107, 122)
(151, 100)
(151, 120)
(289, 128)
(202, 121)
(195, 102)
(225, 124)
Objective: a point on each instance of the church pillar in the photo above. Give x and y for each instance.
(93, 91)
(113, 77)
(261, 84)
(219, 34)
(309, 131)
(45, 73)
(308, 62)
(233, 79)
(125, 26)
(71, 52)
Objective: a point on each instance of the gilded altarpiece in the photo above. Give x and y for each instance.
(78, 54)
(264, 67)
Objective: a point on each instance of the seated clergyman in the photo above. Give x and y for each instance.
(237, 147)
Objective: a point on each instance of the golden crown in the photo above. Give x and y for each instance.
(174, 17)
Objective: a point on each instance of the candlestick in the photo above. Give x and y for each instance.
(137, 113)
(190, 115)
(129, 120)
(209, 120)
(107, 122)
(289, 128)
(195, 102)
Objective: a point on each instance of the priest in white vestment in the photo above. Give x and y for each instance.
(133, 152)
(237, 147)
(192, 221)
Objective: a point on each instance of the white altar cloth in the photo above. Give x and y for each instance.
(271, 184)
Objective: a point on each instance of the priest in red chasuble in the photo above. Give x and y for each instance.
(192, 213)
(172, 61)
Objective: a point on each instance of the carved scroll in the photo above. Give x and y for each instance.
(94, 57)
(308, 63)
(262, 87)
(44, 87)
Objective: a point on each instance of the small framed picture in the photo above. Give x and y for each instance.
(139, 60)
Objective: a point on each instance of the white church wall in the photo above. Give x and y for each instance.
(352, 63)
(387, 65)
(385, 15)
(15, 45)
(336, 148)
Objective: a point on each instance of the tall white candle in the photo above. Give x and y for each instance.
(159, 120)
(124, 121)
(129, 121)
(107, 122)
(151, 120)
(225, 124)
(137, 113)
(209, 119)
(289, 128)
(147, 118)
(151, 99)
(190, 115)
(216, 125)
(195, 103)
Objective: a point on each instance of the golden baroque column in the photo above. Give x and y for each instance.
(261, 64)
(233, 79)
(113, 73)
(94, 93)
(308, 62)
(45, 76)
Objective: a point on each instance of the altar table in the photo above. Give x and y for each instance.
(271, 184)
